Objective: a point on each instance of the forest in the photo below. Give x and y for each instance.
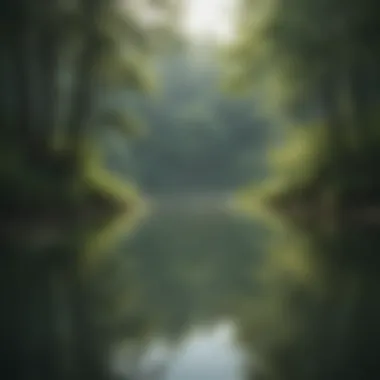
(192, 130)
(270, 138)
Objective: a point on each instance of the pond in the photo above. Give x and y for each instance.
(303, 302)
(194, 263)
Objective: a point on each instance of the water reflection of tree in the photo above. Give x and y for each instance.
(193, 268)
(319, 321)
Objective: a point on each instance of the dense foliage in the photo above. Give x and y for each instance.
(316, 320)
(59, 60)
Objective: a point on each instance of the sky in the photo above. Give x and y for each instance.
(199, 19)
(209, 19)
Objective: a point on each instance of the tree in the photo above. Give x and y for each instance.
(57, 57)
(321, 48)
